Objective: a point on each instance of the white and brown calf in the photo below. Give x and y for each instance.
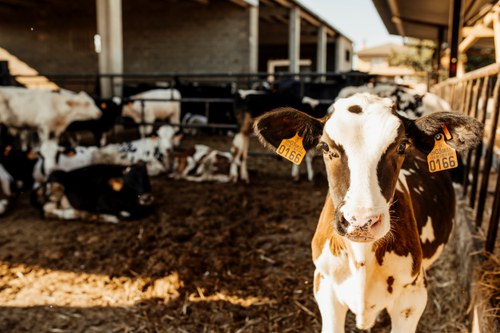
(202, 163)
(386, 217)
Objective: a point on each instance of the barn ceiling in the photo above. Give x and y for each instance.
(424, 18)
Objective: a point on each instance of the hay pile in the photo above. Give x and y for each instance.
(486, 294)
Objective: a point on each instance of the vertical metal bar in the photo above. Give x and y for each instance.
(472, 107)
(489, 156)
(491, 236)
(454, 36)
(143, 107)
(479, 150)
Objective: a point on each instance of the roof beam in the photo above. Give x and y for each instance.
(309, 18)
(478, 31)
(246, 3)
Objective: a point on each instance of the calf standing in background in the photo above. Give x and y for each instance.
(168, 107)
(386, 217)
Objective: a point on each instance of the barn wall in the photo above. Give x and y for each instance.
(61, 40)
(185, 36)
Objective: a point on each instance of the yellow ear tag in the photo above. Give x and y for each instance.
(442, 157)
(7, 150)
(292, 149)
(116, 184)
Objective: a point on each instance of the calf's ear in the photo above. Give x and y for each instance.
(466, 131)
(283, 123)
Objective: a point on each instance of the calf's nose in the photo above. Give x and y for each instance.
(362, 220)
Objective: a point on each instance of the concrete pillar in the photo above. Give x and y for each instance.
(321, 51)
(254, 40)
(109, 28)
(294, 40)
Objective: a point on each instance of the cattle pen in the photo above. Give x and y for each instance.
(210, 249)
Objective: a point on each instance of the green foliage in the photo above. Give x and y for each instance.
(417, 56)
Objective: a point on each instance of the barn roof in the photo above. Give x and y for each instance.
(423, 18)
(381, 50)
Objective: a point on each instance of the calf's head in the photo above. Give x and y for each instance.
(364, 143)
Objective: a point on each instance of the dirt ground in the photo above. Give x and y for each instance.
(213, 258)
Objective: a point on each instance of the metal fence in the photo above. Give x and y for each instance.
(125, 85)
(477, 94)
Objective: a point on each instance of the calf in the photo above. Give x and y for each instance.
(155, 151)
(101, 127)
(203, 163)
(386, 217)
(16, 168)
(54, 157)
(101, 193)
(163, 104)
(6, 183)
(49, 112)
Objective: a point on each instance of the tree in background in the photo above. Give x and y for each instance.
(418, 55)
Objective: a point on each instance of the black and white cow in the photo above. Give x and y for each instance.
(101, 127)
(386, 217)
(100, 193)
(155, 151)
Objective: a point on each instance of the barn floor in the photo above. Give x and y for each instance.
(214, 258)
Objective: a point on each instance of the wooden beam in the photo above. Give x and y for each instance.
(246, 3)
(309, 18)
(478, 31)
(285, 3)
(496, 29)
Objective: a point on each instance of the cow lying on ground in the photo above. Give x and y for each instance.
(202, 163)
(100, 193)
(52, 157)
(154, 151)
(168, 107)
(386, 217)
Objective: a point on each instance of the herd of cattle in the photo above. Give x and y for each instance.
(52, 166)
(386, 217)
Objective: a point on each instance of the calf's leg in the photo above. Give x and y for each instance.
(333, 313)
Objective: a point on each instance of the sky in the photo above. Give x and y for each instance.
(356, 19)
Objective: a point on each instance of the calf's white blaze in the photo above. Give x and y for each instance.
(365, 137)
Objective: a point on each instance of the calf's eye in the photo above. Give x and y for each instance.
(324, 147)
(402, 148)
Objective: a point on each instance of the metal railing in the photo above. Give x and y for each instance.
(477, 94)
(123, 85)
